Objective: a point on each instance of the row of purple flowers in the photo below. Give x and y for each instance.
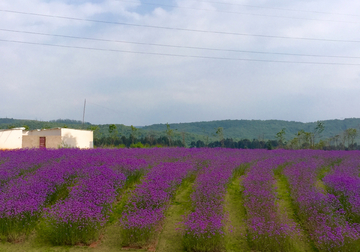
(320, 212)
(24, 198)
(15, 163)
(146, 208)
(71, 194)
(268, 228)
(203, 227)
(69, 188)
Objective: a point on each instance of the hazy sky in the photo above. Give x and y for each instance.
(156, 61)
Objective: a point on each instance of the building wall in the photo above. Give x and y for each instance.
(77, 138)
(51, 142)
(44, 132)
(55, 138)
(10, 139)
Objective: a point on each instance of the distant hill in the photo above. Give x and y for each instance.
(205, 131)
(258, 129)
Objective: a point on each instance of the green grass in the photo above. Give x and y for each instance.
(109, 242)
(170, 238)
(287, 207)
(284, 201)
(235, 228)
(124, 195)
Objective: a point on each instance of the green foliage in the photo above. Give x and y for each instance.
(12, 228)
(241, 170)
(133, 135)
(169, 132)
(61, 192)
(112, 128)
(137, 145)
(34, 124)
(250, 129)
(220, 133)
(280, 136)
(269, 145)
(136, 236)
(206, 242)
(63, 233)
(350, 135)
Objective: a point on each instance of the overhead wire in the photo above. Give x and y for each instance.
(238, 13)
(181, 29)
(182, 55)
(179, 46)
(275, 8)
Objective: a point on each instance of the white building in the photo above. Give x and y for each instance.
(17, 138)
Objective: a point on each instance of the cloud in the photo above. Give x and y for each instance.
(138, 84)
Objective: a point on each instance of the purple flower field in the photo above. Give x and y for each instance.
(305, 200)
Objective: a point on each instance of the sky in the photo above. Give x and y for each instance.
(155, 61)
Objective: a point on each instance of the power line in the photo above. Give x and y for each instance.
(179, 46)
(238, 13)
(182, 29)
(274, 8)
(182, 55)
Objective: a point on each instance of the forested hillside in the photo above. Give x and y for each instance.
(259, 129)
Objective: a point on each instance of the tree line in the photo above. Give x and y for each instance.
(310, 139)
(301, 140)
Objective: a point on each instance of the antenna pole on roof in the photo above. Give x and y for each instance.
(84, 114)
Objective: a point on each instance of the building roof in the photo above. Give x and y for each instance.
(18, 128)
(58, 128)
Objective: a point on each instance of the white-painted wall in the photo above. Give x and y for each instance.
(11, 139)
(55, 138)
(77, 138)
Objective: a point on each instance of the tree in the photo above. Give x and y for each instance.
(304, 139)
(112, 128)
(294, 143)
(183, 133)
(220, 133)
(280, 136)
(350, 135)
(113, 132)
(169, 132)
(134, 132)
(206, 136)
(95, 129)
(151, 136)
(336, 140)
(200, 144)
(319, 128)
